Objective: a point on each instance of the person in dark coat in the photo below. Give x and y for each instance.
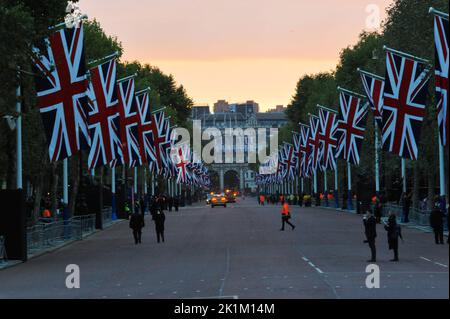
(437, 223)
(170, 203)
(370, 226)
(394, 231)
(159, 218)
(176, 203)
(406, 203)
(136, 224)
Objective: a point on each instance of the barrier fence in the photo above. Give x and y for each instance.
(3, 256)
(46, 235)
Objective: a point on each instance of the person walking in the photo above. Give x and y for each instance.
(170, 203)
(286, 216)
(437, 222)
(370, 226)
(159, 218)
(262, 200)
(394, 231)
(136, 224)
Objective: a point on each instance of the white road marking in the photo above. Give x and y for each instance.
(436, 263)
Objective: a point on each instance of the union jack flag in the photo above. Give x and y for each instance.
(62, 87)
(442, 63)
(351, 127)
(288, 161)
(314, 143)
(144, 127)
(374, 88)
(328, 127)
(158, 139)
(405, 96)
(104, 115)
(182, 160)
(297, 151)
(129, 122)
(305, 150)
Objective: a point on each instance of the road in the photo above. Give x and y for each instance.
(237, 252)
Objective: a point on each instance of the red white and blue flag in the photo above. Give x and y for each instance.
(144, 127)
(61, 87)
(297, 151)
(305, 150)
(374, 88)
(442, 62)
(104, 123)
(328, 127)
(351, 127)
(405, 98)
(129, 122)
(158, 140)
(314, 143)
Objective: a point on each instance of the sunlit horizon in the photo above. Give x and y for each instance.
(234, 50)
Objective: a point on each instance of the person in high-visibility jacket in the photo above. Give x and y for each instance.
(286, 216)
(262, 200)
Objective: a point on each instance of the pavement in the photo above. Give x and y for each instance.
(237, 252)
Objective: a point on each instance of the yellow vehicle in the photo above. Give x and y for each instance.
(218, 200)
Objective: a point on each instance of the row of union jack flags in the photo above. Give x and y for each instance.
(398, 102)
(93, 110)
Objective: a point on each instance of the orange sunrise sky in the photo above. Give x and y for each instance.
(236, 50)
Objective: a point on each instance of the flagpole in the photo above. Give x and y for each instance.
(350, 193)
(377, 160)
(442, 174)
(66, 188)
(315, 184)
(404, 175)
(113, 194)
(336, 187)
(325, 183)
(19, 179)
(135, 180)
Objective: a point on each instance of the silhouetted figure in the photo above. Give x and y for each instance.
(370, 227)
(394, 231)
(136, 224)
(437, 223)
(159, 218)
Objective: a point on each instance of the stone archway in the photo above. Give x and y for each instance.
(240, 169)
(231, 179)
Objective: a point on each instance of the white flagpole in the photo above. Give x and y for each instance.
(66, 187)
(325, 187)
(135, 180)
(404, 175)
(442, 174)
(336, 187)
(19, 181)
(113, 193)
(350, 193)
(145, 181)
(315, 183)
(377, 160)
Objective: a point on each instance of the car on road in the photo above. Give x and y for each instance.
(218, 200)
(208, 198)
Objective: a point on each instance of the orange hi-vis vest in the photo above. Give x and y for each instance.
(285, 210)
(262, 199)
(47, 214)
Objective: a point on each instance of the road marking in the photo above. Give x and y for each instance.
(222, 286)
(436, 263)
(305, 259)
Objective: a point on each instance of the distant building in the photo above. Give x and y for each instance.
(247, 109)
(221, 106)
(277, 109)
(199, 112)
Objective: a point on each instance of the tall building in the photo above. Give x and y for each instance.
(221, 106)
(277, 109)
(200, 111)
(247, 109)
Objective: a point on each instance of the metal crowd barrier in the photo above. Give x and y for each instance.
(3, 256)
(418, 216)
(46, 235)
(107, 216)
